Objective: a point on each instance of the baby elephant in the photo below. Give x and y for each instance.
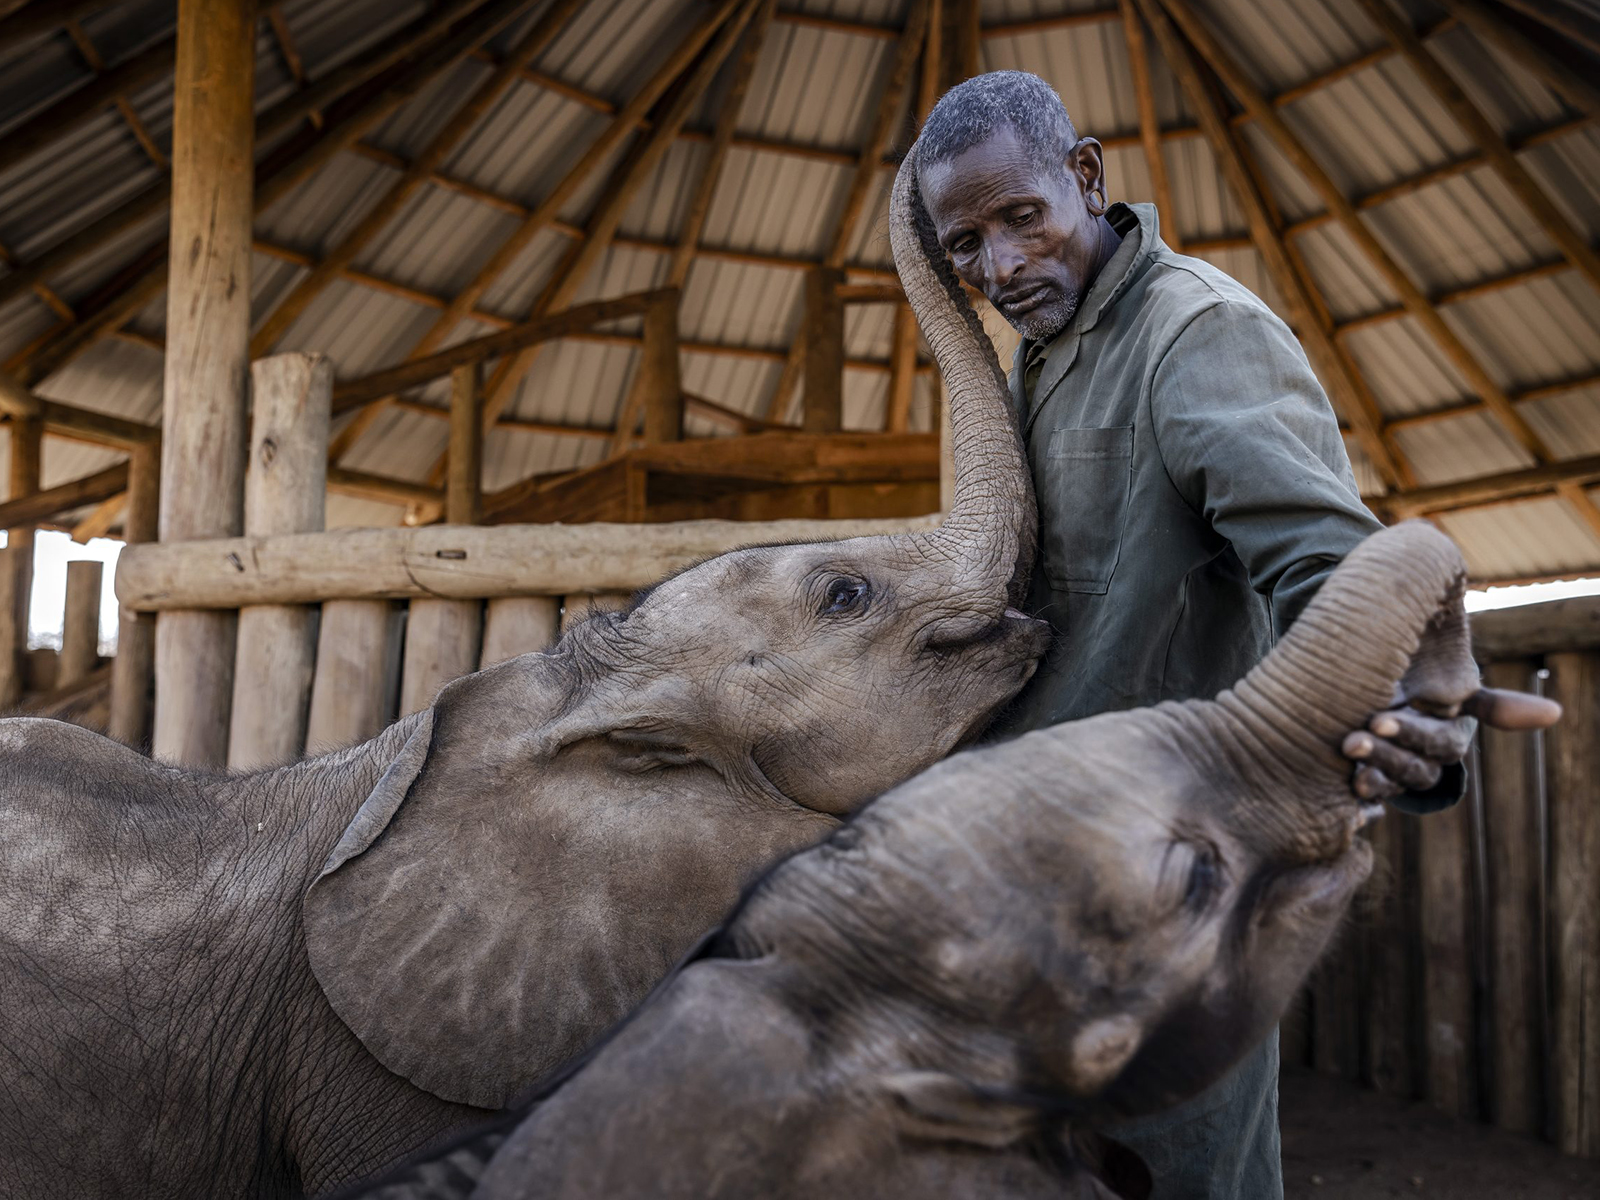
(1024, 944)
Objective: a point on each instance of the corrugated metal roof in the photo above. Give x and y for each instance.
(817, 87)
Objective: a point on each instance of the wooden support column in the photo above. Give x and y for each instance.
(80, 623)
(26, 450)
(1389, 959)
(13, 638)
(1516, 902)
(1574, 765)
(358, 672)
(514, 625)
(464, 497)
(207, 360)
(823, 410)
(133, 670)
(1149, 123)
(1445, 883)
(659, 375)
(960, 37)
(444, 637)
(285, 492)
(1336, 1009)
(902, 370)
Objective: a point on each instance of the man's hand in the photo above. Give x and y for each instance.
(1404, 750)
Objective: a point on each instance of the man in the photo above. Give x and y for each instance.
(1193, 494)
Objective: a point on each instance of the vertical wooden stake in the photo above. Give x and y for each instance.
(208, 340)
(464, 493)
(133, 671)
(1511, 813)
(823, 402)
(352, 692)
(285, 492)
(1446, 886)
(514, 625)
(1574, 765)
(659, 373)
(26, 449)
(1389, 959)
(80, 625)
(13, 638)
(902, 370)
(1149, 124)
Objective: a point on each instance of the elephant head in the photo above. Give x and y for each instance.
(1091, 922)
(557, 830)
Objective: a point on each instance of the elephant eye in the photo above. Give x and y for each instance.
(1205, 878)
(844, 595)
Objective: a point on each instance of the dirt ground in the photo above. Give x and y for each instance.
(1342, 1143)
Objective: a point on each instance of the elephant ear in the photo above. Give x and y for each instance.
(473, 926)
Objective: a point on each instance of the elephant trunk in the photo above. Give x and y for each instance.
(989, 533)
(1391, 612)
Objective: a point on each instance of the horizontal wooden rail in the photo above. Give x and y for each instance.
(1489, 489)
(52, 502)
(461, 562)
(355, 393)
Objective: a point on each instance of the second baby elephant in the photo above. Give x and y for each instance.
(230, 986)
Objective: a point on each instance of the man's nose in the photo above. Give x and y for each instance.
(1004, 263)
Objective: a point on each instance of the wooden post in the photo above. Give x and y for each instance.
(285, 492)
(659, 375)
(464, 497)
(1516, 896)
(352, 692)
(1336, 1009)
(26, 447)
(444, 637)
(514, 625)
(208, 340)
(823, 410)
(1574, 765)
(133, 671)
(1389, 959)
(80, 624)
(13, 638)
(1446, 893)
(902, 371)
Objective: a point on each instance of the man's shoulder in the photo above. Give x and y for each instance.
(1178, 288)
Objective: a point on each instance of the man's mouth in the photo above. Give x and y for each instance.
(1025, 301)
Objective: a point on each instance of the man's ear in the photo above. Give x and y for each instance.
(941, 1107)
(1087, 161)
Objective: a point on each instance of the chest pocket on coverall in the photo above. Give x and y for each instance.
(1089, 480)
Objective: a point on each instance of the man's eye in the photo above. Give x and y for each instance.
(1024, 218)
(845, 595)
(964, 246)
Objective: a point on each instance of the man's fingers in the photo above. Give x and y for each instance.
(1372, 784)
(1515, 711)
(1444, 741)
(1395, 763)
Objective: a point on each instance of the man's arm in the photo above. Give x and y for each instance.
(1250, 441)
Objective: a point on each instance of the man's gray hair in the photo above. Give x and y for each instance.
(973, 110)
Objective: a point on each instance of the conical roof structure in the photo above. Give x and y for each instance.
(1414, 186)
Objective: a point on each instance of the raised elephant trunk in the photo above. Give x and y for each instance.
(992, 521)
(1392, 611)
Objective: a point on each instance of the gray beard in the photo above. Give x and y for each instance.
(1043, 324)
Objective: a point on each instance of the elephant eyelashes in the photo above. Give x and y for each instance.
(845, 595)
(1205, 878)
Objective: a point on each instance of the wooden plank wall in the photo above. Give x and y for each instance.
(1468, 975)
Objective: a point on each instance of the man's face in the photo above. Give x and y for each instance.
(1023, 237)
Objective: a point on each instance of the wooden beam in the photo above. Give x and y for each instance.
(356, 393)
(902, 371)
(38, 507)
(1569, 474)
(464, 495)
(464, 562)
(823, 409)
(383, 488)
(133, 669)
(1331, 367)
(1411, 296)
(1034, 25)
(100, 519)
(1560, 20)
(130, 117)
(80, 623)
(1573, 244)
(205, 399)
(906, 53)
(30, 20)
(378, 217)
(659, 381)
(1492, 27)
(25, 467)
(1149, 123)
